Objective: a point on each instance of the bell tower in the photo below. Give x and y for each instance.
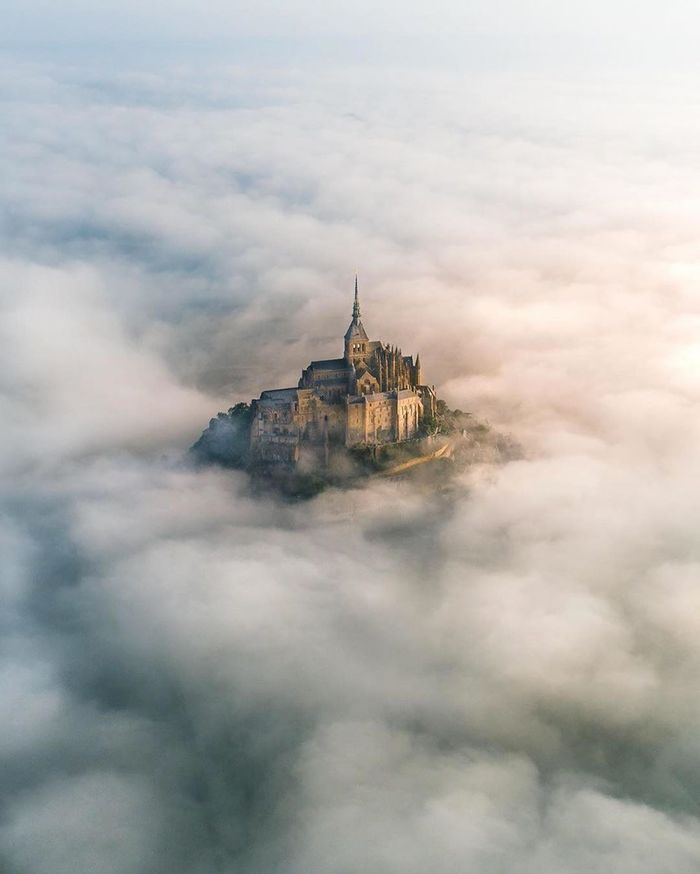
(356, 339)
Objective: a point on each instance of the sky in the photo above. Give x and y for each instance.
(500, 678)
(583, 34)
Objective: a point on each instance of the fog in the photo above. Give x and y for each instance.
(499, 677)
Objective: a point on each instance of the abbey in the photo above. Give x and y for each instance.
(372, 395)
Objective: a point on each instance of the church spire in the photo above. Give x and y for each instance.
(356, 304)
(355, 334)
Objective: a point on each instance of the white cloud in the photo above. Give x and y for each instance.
(498, 677)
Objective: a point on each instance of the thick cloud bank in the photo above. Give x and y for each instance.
(498, 678)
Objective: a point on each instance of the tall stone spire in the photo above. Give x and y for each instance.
(356, 305)
(355, 336)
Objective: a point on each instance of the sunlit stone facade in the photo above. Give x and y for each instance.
(372, 395)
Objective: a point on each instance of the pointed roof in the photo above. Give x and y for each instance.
(356, 328)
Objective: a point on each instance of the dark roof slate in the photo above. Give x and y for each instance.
(356, 329)
(331, 364)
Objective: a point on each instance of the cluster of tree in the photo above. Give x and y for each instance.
(227, 439)
(447, 421)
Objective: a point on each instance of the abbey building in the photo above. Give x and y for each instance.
(372, 395)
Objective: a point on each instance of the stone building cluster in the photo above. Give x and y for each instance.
(372, 395)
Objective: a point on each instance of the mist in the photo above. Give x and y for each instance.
(495, 677)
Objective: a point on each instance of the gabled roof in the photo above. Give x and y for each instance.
(330, 364)
(279, 395)
(361, 374)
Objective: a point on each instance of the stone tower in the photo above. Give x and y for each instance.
(356, 339)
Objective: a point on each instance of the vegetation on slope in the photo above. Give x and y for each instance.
(227, 439)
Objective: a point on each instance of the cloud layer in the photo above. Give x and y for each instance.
(495, 678)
